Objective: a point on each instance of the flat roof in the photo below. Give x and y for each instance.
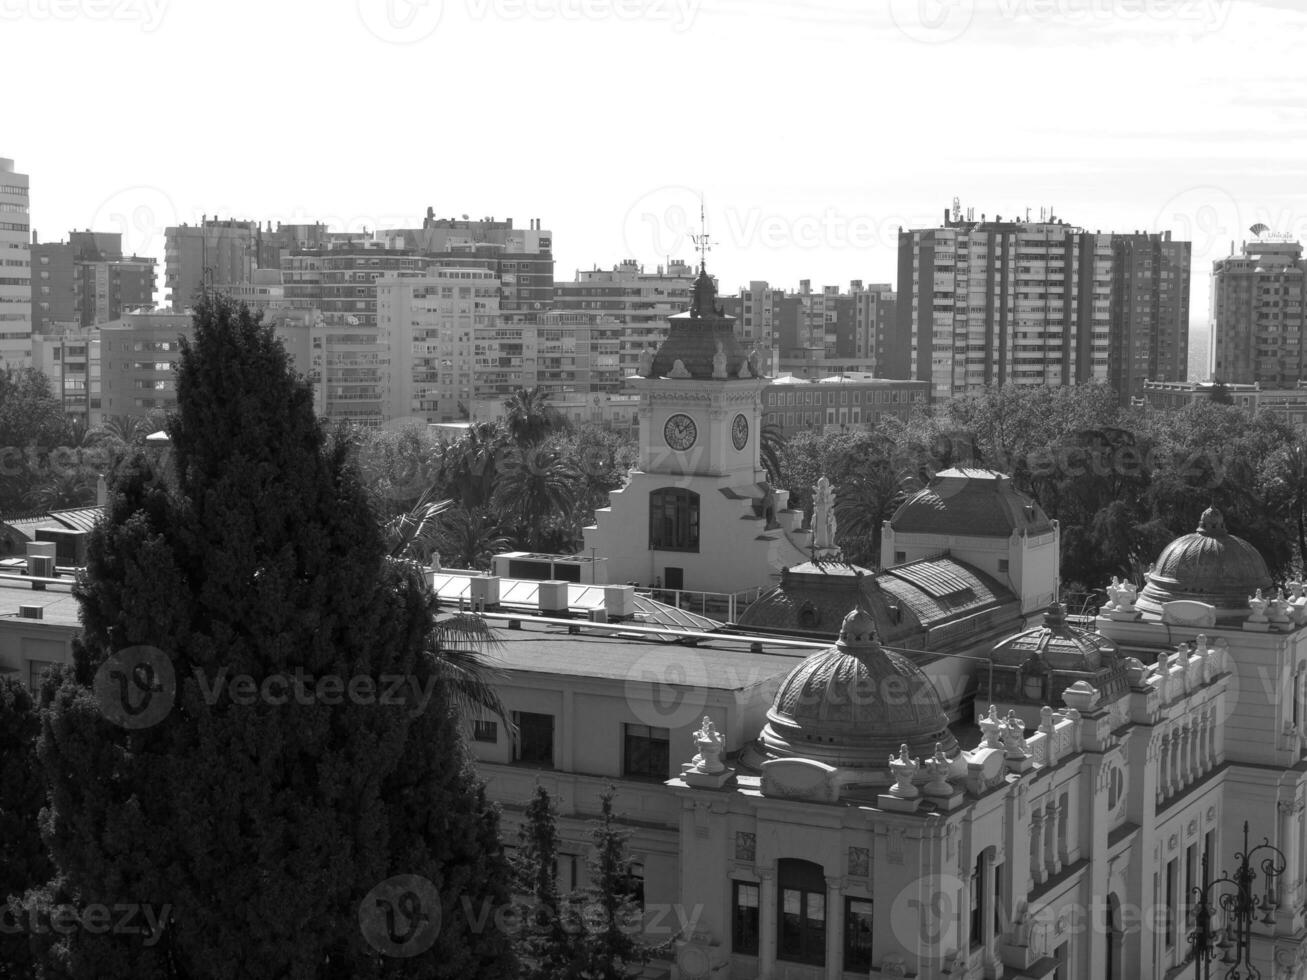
(723, 665)
(58, 606)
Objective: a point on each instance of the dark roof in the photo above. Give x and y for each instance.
(813, 598)
(972, 502)
(694, 336)
(77, 518)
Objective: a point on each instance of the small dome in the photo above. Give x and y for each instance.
(854, 704)
(973, 502)
(1036, 665)
(1210, 565)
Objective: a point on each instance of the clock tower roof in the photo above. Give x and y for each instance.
(696, 335)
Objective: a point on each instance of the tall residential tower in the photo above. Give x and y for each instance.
(15, 267)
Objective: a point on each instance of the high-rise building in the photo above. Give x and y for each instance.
(428, 322)
(69, 357)
(1038, 302)
(1001, 302)
(522, 258)
(1149, 338)
(1257, 313)
(15, 267)
(87, 281)
(213, 253)
(641, 301)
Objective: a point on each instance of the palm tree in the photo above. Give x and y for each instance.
(415, 533)
(469, 466)
(862, 506)
(63, 489)
(461, 643)
(468, 537)
(534, 488)
(771, 445)
(530, 417)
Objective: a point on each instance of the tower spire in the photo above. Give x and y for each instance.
(701, 240)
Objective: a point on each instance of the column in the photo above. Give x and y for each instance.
(834, 928)
(1037, 874)
(1183, 749)
(1050, 839)
(1203, 763)
(767, 937)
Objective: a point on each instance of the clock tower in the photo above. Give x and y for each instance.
(698, 513)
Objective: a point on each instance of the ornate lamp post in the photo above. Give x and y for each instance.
(1238, 904)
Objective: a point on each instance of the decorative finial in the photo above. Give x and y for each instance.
(1211, 523)
(701, 240)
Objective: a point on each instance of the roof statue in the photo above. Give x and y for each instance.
(823, 516)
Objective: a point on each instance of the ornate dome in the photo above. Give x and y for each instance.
(1036, 665)
(1211, 565)
(855, 704)
(697, 335)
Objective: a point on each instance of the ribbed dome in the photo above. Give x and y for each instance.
(974, 502)
(1211, 565)
(855, 704)
(1056, 643)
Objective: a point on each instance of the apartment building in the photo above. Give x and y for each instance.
(87, 281)
(15, 267)
(1149, 312)
(1257, 313)
(641, 301)
(428, 322)
(69, 357)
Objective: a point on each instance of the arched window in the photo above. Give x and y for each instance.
(674, 520)
(801, 917)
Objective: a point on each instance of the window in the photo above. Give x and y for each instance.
(35, 668)
(900, 557)
(534, 744)
(857, 935)
(744, 921)
(802, 913)
(646, 751)
(1002, 564)
(674, 520)
(485, 731)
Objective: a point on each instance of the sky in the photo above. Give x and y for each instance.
(811, 129)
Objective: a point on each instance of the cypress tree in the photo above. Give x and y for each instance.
(253, 751)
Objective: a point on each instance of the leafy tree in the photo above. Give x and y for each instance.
(611, 938)
(548, 942)
(1219, 393)
(24, 863)
(260, 825)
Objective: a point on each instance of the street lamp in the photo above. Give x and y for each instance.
(1238, 905)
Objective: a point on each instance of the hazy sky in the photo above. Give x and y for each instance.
(813, 129)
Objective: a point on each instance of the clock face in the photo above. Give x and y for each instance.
(740, 432)
(680, 432)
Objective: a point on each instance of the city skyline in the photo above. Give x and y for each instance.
(1207, 154)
